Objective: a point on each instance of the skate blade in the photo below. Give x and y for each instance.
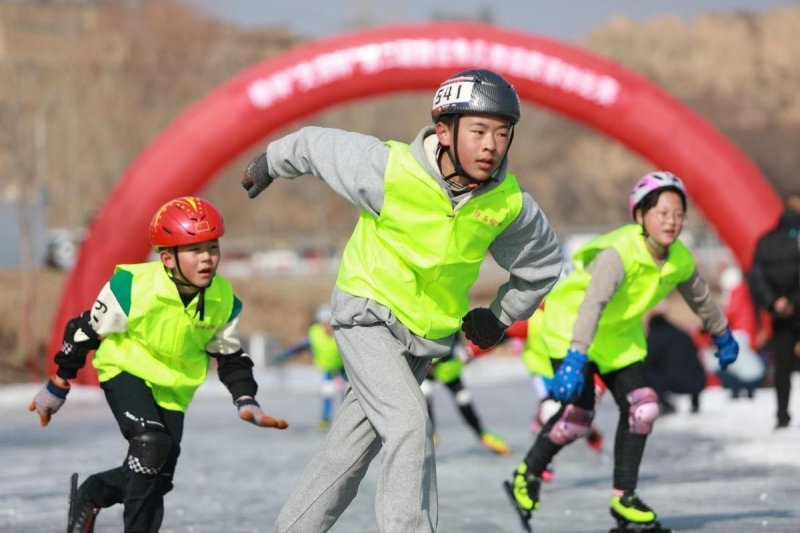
(630, 527)
(524, 516)
(73, 490)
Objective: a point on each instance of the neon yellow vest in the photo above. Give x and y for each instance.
(447, 370)
(165, 343)
(620, 338)
(323, 349)
(537, 362)
(419, 257)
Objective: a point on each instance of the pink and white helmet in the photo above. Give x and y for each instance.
(652, 182)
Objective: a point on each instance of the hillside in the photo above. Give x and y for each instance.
(86, 86)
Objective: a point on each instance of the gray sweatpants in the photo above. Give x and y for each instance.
(384, 408)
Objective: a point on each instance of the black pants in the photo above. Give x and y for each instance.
(131, 401)
(467, 410)
(785, 334)
(628, 447)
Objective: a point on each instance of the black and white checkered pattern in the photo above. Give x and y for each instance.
(136, 465)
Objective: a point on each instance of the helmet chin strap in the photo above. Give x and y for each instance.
(201, 298)
(458, 170)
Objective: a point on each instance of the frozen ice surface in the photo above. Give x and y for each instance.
(722, 470)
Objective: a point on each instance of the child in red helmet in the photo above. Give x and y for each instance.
(154, 326)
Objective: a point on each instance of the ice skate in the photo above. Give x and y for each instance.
(494, 443)
(82, 511)
(523, 491)
(633, 515)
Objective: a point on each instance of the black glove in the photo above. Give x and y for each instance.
(256, 178)
(79, 339)
(483, 328)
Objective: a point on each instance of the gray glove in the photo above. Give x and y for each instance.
(48, 401)
(256, 178)
(250, 411)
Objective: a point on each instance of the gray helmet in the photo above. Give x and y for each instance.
(477, 91)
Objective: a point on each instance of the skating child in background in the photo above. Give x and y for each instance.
(592, 322)
(154, 326)
(447, 371)
(326, 358)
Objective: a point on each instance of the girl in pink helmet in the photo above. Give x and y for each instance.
(591, 322)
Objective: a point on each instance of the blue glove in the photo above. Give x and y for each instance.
(727, 348)
(568, 381)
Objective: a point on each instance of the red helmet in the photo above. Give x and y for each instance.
(186, 220)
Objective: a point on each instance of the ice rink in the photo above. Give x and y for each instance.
(722, 470)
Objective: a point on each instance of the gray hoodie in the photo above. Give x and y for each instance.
(354, 164)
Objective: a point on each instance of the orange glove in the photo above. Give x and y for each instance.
(250, 411)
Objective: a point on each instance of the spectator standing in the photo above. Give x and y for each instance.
(672, 365)
(775, 279)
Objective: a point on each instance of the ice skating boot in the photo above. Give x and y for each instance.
(494, 443)
(82, 511)
(523, 491)
(633, 515)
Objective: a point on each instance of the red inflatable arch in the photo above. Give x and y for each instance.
(317, 75)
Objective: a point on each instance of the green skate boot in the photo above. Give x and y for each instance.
(633, 515)
(523, 491)
(495, 443)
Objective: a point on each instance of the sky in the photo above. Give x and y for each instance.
(567, 21)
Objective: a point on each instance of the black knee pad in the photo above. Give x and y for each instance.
(148, 449)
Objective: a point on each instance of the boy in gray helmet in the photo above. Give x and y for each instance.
(430, 212)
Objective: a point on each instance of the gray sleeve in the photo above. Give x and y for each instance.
(352, 164)
(529, 250)
(698, 297)
(607, 272)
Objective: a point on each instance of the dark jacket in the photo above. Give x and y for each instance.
(776, 263)
(672, 363)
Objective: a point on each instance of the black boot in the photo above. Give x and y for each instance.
(82, 510)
